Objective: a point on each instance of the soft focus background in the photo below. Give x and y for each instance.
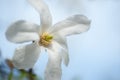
(94, 55)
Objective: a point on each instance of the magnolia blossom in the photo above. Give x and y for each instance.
(50, 37)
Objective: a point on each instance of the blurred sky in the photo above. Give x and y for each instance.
(94, 55)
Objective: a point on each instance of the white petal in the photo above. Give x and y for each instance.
(61, 41)
(72, 25)
(22, 31)
(65, 56)
(53, 69)
(42, 8)
(26, 56)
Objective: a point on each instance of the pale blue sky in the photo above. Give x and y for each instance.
(94, 55)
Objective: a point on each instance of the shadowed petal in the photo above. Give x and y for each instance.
(61, 41)
(42, 8)
(72, 25)
(53, 69)
(65, 56)
(26, 56)
(22, 31)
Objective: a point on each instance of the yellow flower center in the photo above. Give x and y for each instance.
(45, 39)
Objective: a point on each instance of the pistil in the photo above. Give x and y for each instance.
(45, 39)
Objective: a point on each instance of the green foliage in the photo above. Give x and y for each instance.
(10, 76)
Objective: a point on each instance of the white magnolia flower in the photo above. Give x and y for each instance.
(51, 38)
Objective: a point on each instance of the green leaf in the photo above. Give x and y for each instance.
(10, 75)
